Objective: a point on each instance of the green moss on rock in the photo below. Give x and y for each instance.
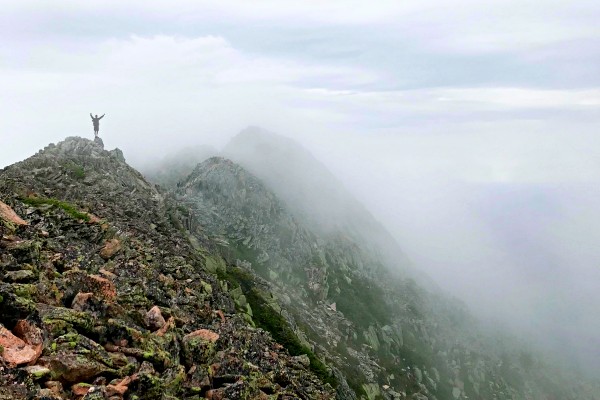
(68, 208)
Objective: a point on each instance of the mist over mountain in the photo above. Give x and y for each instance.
(174, 167)
(275, 159)
(520, 253)
(349, 315)
(411, 214)
(311, 190)
(544, 278)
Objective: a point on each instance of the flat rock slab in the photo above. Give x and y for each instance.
(204, 334)
(16, 351)
(7, 214)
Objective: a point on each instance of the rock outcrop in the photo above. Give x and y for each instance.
(114, 301)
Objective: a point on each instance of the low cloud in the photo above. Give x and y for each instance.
(469, 128)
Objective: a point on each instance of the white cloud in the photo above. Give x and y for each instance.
(151, 87)
(194, 87)
(468, 99)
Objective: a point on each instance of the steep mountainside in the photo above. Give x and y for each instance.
(312, 192)
(383, 334)
(103, 296)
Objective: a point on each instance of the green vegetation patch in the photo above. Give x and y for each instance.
(69, 208)
(361, 301)
(238, 251)
(270, 320)
(75, 170)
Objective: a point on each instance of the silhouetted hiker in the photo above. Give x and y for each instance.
(96, 122)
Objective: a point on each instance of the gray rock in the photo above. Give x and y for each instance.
(19, 276)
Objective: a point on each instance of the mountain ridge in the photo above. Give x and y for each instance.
(120, 303)
(431, 309)
(105, 255)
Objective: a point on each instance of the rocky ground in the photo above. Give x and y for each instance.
(103, 296)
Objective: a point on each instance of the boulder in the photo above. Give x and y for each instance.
(202, 334)
(81, 389)
(111, 247)
(82, 282)
(16, 351)
(74, 368)
(23, 275)
(198, 345)
(8, 215)
(99, 141)
(80, 300)
(154, 319)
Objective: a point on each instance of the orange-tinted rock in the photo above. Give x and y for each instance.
(80, 300)
(214, 368)
(105, 287)
(116, 390)
(30, 334)
(80, 389)
(7, 214)
(16, 351)
(96, 284)
(93, 219)
(215, 394)
(165, 327)
(107, 274)
(205, 334)
(111, 247)
(154, 319)
(120, 388)
(221, 315)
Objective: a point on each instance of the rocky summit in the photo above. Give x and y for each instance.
(225, 282)
(103, 295)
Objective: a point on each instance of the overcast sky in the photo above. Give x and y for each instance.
(469, 127)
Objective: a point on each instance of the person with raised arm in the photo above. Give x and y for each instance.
(96, 122)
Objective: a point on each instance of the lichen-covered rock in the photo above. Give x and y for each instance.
(135, 317)
(99, 141)
(19, 276)
(71, 367)
(37, 371)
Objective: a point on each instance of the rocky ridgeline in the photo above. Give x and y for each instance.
(383, 335)
(103, 295)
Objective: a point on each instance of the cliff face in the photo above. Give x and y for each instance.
(103, 295)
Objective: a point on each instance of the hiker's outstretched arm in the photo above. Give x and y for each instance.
(91, 116)
(102, 116)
